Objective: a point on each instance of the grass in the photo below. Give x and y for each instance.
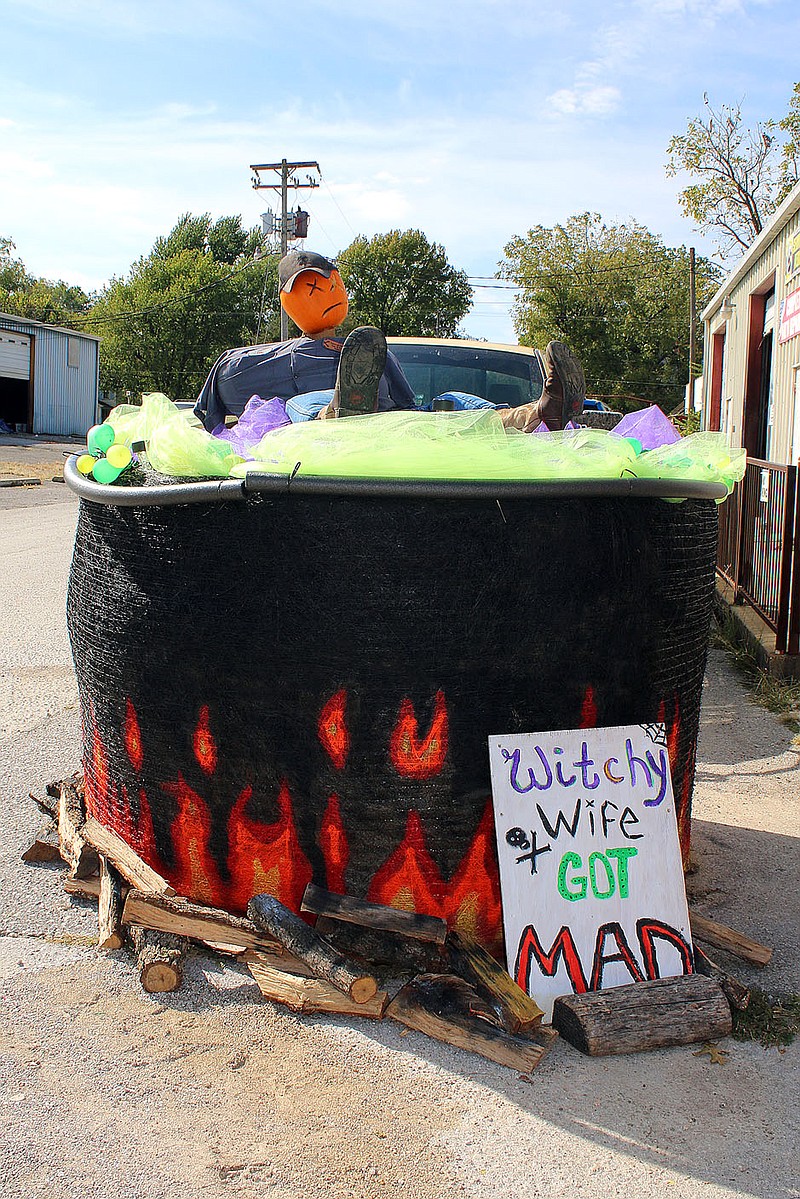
(32, 470)
(781, 696)
(769, 1019)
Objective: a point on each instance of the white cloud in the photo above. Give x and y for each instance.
(586, 100)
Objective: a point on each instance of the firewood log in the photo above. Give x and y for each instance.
(109, 912)
(449, 1009)
(644, 1015)
(373, 915)
(159, 958)
(269, 914)
(73, 844)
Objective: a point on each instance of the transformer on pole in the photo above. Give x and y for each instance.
(289, 224)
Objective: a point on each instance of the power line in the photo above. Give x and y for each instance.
(288, 178)
(181, 299)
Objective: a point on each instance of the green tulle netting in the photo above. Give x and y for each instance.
(420, 445)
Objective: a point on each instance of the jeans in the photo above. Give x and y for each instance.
(310, 404)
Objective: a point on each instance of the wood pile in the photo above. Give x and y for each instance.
(365, 959)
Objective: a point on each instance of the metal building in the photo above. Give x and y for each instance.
(48, 377)
(751, 373)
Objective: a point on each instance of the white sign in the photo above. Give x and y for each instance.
(590, 864)
(789, 324)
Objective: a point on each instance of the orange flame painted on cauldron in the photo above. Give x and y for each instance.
(410, 879)
(335, 850)
(132, 737)
(266, 857)
(195, 872)
(203, 744)
(332, 729)
(414, 757)
(588, 718)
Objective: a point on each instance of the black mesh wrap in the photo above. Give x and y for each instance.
(509, 615)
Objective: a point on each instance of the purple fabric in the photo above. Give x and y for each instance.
(542, 427)
(650, 427)
(259, 417)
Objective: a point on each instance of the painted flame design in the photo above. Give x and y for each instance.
(415, 757)
(266, 857)
(332, 729)
(204, 745)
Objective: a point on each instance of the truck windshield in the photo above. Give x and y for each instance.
(497, 375)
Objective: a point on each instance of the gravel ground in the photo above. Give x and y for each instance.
(213, 1092)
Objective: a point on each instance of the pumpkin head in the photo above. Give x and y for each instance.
(315, 302)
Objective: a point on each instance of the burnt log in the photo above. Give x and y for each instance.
(472, 962)
(448, 1009)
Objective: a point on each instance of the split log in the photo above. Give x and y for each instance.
(109, 914)
(73, 844)
(472, 962)
(127, 861)
(450, 1010)
(47, 803)
(388, 955)
(303, 994)
(46, 846)
(722, 937)
(324, 959)
(159, 958)
(736, 993)
(373, 915)
(181, 917)
(83, 888)
(644, 1015)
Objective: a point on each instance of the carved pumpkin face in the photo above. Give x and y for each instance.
(316, 303)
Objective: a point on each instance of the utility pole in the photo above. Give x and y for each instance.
(286, 171)
(692, 324)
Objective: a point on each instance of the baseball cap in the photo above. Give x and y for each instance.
(297, 261)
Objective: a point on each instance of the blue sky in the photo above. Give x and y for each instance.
(471, 120)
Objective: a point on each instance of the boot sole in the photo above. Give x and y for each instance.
(573, 380)
(361, 366)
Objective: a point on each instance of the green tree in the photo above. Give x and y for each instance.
(403, 284)
(203, 288)
(617, 295)
(790, 152)
(742, 173)
(22, 294)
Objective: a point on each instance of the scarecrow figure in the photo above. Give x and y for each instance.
(318, 375)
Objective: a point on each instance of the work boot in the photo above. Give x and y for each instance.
(562, 397)
(361, 366)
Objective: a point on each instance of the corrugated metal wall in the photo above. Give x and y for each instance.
(64, 395)
(770, 264)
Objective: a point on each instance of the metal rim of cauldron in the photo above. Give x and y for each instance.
(223, 490)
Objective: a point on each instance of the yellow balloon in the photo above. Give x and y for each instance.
(119, 455)
(85, 464)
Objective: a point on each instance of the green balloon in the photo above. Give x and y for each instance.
(99, 438)
(104, 472)
(637, 445)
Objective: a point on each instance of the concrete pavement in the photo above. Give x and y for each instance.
(214, 1093)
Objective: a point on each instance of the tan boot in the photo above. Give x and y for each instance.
(525, 418)
(562, 397)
